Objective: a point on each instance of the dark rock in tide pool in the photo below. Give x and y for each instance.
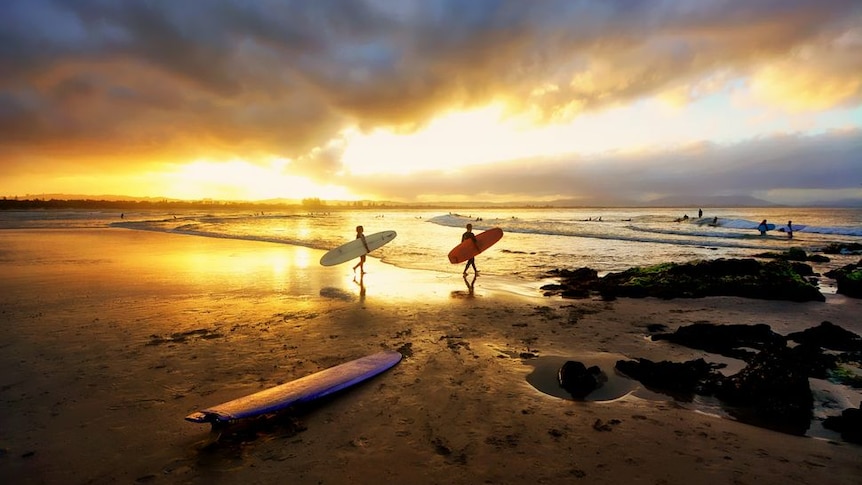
(748, 278)
(849, 424)
(578, 380)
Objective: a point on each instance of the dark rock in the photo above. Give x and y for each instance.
(574, 283)
(406, 350)
(802, 269)
(849, 424)
(772, 280)
(729, 340)
(578, 380)
(581, 274)
(600, 425)
(683, 380)
(849, 279)
(852, 285)
(828, 336)
(813, 361)
(794, 254)
(843, 248)
(772, 390)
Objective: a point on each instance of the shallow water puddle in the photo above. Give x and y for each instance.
(545, 376)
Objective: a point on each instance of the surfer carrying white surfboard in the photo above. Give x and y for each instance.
(472, 261)
(361, 264)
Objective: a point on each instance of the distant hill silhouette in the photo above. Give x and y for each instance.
(121, 201)
(711, 201)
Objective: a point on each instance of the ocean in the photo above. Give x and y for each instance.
(536, 240)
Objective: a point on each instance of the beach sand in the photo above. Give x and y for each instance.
(111, 337)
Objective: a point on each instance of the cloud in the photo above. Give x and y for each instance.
(815, 76)
(785, 163)
(94, 81)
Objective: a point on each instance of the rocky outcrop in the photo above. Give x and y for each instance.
(749, 278)
(772, 390)
(843, 248)
(794, 254)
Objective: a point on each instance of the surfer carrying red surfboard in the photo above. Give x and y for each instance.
(361, 264)
(472, 261)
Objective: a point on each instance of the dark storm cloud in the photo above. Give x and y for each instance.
(254, 78)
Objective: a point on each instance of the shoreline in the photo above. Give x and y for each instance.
(112, 337)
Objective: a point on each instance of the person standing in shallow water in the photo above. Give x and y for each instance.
(361, 264)
(789, 229)
(472, 261)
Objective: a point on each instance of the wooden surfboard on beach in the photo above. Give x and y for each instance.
(301, 390)
(467, 249)
(355, 249)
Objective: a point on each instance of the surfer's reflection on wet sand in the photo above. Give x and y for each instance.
(361, 283)
(471, 284)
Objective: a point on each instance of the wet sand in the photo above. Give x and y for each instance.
(111, 337)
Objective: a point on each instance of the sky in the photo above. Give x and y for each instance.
(422, 101)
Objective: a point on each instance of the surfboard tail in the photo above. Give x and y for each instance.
(198, 417)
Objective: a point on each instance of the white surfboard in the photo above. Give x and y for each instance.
(355, 249)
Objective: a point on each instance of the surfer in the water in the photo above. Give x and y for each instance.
(472, 261)
(361, 263)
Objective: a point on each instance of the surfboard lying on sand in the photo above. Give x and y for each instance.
(304, 389)
(355, 249)
(467, 249)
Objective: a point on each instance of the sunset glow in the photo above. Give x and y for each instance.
(576, 101)
(240, 180)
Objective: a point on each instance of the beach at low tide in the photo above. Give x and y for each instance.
(110, 337)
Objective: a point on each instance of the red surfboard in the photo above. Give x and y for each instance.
(467, 249)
